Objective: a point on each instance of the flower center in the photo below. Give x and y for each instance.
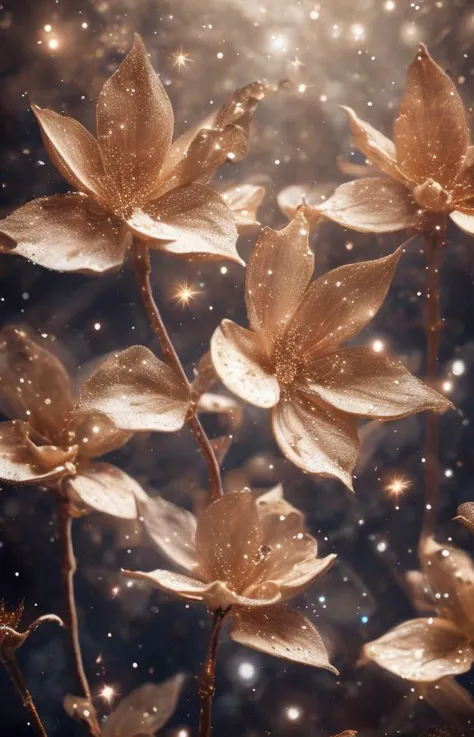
(431, 196)
(286, 363)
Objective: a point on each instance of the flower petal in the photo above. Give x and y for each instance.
(305, 198)
(104, 488)
(284, 633)
(340, 304)
(278, 273)
(239, 361)
(74, 152)
(145, 710)
(422, 650)
(137, 391)
(66, 232)
(134, 127)
(364, 383)
(228, 539)
(173, 583)
(379, 149)
(464, 220)
(372, 205)
(34, 383)
(301, 576)
(465, 514)
(172, 530)
(96, 434)
(191, 221)
(18, 462)
(431, 133)
(244, 201)
(316, 438)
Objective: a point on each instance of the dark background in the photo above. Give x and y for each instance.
(352, 52)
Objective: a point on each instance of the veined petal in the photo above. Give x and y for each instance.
(74, 152)
(303, 575)
(464, 220)
(173, 583)
(244, 201)
(134, 127)
(137, 391)
(18, 462)
(465, 514)
(372, 205)
(172, 530)
(66, 232)
(316, 438)
(340, 304)
(228, 539)
(422, 650)
(431, 133)
(191, 221)
(104, 488)
(238, 358)
(364, 383)
(379, 149)
(278, 273)
(284, 633)
(34, 382)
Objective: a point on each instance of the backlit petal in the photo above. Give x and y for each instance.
(172, 530)
(305, 198)
(379, 149)
(145, 710)
(104, 488)
(244, 201)
(464, 220)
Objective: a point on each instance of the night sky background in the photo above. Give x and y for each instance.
(58, 53)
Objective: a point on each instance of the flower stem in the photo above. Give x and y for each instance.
(433, 324)
(207, 678)
(142, 269)
(68, 569)
(11, 666)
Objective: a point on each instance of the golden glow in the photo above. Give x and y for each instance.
(185, 293)
(180, 59)
(107, 693)
(397, 486)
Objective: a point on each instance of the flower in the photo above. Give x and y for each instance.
(244, 201)
(10, 636)
(132, 180)
(428, 168)
(426, 650)
(143, 712)
(249, 556)
(55, 439)
(291, 361)
(465, 514)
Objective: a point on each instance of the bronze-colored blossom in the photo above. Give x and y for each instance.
(244, 201)
(465, 514)
(11, 638)
(140, 714)
(132, 180)
(291, 360)
(427, 170)
(55, 438)
(249, 556)
(428, 649)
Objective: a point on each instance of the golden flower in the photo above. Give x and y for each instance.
(249, 556)
(291, 361)
(143, 712)
(465, 514)
(244, 201)
(55, 439)
(425, 650)
(427, 169)
(132, 179)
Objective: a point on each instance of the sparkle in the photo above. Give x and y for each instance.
(293, 713)
(389, 6)
(459, 367)
(447, 386)
(246, 671)
(397, 486)
(107, 693)
(180, 58)
(378, 346)
(53, 44)
(185, 293)
(296, 63)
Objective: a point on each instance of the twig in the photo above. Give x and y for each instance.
(208, 675)
(68, 569)
(9, 661)
(142, 269)
(433, 324)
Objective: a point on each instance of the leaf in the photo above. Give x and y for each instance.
(66, 232)
(284, 633)
(20, 463)
(364, 383)
(134, 128)
(316, 438)
(172, 530)
(278, 273)
(372, 205)
(465, 515)
(379, 149)
(422, 650)
(191, 221)
(137, 392)
(104, 488)
(240, 363)
(431, 133)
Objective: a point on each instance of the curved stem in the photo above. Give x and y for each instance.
(433, 324)
(13, 669)
(142, 269)
(207, 678)
(68, 569)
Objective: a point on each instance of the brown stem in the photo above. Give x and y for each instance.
(142, 269)
(433, 324)
(11, 666)
(68, 569)
(207, 678)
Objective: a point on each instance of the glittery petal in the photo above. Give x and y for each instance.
(104, 488)
(244, 201)
(18, 463)
(145, 710)
(379, 149)
(172, 530)
(307, 198)
(465, 514)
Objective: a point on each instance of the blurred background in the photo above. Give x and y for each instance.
(58, 53)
